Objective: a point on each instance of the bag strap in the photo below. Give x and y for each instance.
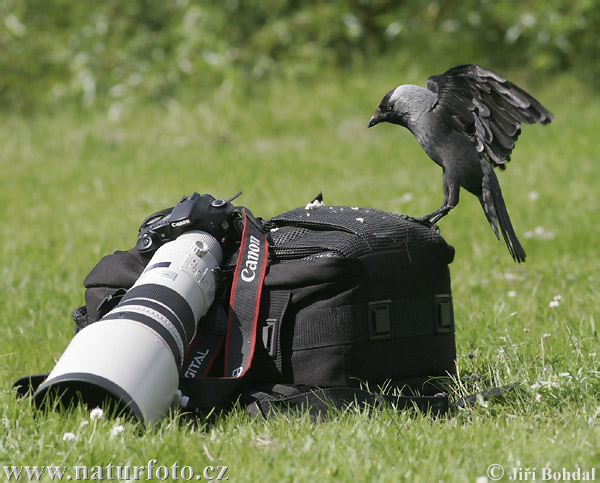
(491, 393)
(282, 398)
(267, 400)
(240, 337)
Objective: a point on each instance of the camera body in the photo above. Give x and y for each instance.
(195, 212)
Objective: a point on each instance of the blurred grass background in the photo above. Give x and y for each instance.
(54, 52)
(111, 111)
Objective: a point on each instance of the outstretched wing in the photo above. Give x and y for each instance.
(487, 107)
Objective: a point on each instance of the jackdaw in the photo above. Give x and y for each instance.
(467, 120)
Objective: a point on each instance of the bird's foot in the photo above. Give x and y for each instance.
(430, 220)
(423, 221)
(437, 215)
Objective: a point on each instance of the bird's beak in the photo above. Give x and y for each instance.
(376, 119)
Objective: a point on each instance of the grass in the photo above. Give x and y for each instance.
(76, 184)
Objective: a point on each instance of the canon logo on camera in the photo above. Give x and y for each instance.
(175, 224)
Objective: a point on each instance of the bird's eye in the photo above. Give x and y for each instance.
(388, 108)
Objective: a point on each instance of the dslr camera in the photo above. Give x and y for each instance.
(132, 355)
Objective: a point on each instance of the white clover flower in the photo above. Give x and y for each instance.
(557, 297)
(96, 414)
(526, 329)
(117, 430)
(84, 423)
(546, 336)
(512, 293)
(68, 437)
(553, 303)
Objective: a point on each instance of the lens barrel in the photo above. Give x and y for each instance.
(131, 357)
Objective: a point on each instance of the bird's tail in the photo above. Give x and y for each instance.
(494, 207)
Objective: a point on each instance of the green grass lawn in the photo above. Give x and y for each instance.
(74, 185)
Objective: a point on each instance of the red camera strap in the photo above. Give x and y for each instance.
(240, 340)
(244, 303)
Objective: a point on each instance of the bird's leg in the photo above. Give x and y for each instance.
(451, 195)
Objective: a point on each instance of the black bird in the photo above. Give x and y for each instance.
(467, 120)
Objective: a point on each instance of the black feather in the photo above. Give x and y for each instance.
(487, 107)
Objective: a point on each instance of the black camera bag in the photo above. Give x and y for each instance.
(351, 296)
(354, 295)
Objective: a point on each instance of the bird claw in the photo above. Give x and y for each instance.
(425, 221)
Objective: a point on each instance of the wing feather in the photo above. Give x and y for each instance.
(486, 107)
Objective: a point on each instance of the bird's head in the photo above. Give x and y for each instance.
(394, 107)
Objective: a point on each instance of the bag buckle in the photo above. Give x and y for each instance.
(380, 320)
(444, 321)
(270, 335)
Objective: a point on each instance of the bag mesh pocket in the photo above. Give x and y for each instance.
(347, 232)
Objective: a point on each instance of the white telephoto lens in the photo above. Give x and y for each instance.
(131, 357)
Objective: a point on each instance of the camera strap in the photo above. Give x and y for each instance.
(244, 303)
(242, 323)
